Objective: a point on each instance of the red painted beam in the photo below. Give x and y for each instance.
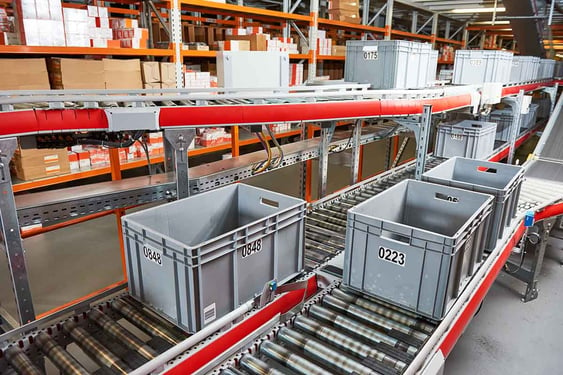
(280, 305)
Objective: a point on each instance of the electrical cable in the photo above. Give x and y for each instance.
(279, 160)
(100, 142)
(522, 256)
(261, 167)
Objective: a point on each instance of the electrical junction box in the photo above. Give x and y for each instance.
(252, 69)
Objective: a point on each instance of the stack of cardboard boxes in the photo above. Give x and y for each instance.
(122, 74)
(24, 74)
(41, 22)
(212, 137)
(129, 34)
(30, 164)
(344, 10)
(324, 44)
(158, 75)
(296, 74)
(76, 74)
(8, 34)
(100, 33)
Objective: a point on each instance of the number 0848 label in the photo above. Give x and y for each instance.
(251, 248)
(392, 256)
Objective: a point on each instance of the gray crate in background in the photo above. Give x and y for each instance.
(524, 68)
(529, 119)
(196, 259)
(252, 69)
(480, 66)
(503, 181)
(558, 69)
(547, 68)
(504, 118)
(432, 67)
(467, 138)
(388, 64)
(544, 107)
(416, 245)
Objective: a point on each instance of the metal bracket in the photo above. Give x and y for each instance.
(327, 131)
(138, 118)
(10, 238)
(179, 141)
(421, 128)
(552, 92)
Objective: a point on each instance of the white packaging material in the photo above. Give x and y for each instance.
(92, 11)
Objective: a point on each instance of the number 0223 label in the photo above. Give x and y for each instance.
(392, 256)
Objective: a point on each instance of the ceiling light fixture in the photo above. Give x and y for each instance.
(477, 10)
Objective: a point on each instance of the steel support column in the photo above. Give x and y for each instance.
(179, 140)
(516, 104)
(10, 238)
(327, 131)
(313, 27)
(176, 39)
(356, 135)
(421, 127)
(414, 22)
(388, 19)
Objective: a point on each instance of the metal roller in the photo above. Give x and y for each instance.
(358, 329)
(369, 317)
(231, 371)
(292, 361)
(330, 212)
(346, 343)
(328, 219)
(142, 322)
(121, 334)
(312, 227)
(95, 349)
(20, 362)
(326, 241)
(256, 366)
(178, 333)
(320, 352)
(383, 310)
(324, 224)
(64, 361)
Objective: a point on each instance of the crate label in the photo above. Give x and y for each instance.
(209, 313)
(476, 62)
(251, 248)
(456, 137)
(152, 255)
(392, 256)
(370, 52)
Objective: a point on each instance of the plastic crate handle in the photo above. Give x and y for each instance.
(269, 202)
(486, 169)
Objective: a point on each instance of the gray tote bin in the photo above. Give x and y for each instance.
(388, 64)
(196, 259)
(503, 181)
(479, 66)
(415, 245)
(467, 138)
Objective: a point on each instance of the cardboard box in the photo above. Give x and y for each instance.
(114, 44)
(152, 86)
(24, 74)
(75, 73)
(30, 164)
(73, 161)
(258, 42)
(122, 74)
(338, 50)
(234, 45)
(83, 159)
(168, 85)
(150, 71)
(168, 72)
(344, 15)
(352, 5)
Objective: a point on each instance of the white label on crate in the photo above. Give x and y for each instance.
(209, 313)
(152, 255)
(392, 256)
(370, 52)
(456, 137)
(251, 248)
(475, 62)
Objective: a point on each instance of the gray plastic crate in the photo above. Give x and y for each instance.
(546, 70)
(558, 70)
(503, 181)
(524, 68)
(529, 119)
(432, 67)
(468, 138)
(503, 120)
(416, 245)
(196, 259)
(387, 64)
(544, 107)
(479, 66)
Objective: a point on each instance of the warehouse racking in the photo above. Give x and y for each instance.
(315, 113)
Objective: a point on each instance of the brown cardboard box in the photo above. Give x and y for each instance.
(200, 34)
(168, 85)
(167, 72)
(338, 50)
(210, 67)
(258, 42)
(30, 164)
(189, 33)
(234, 45)
(122, 74)
(344, 15)
(150, 71)
(24, 74)
(71, 74)
(152, 86)
(344, 4)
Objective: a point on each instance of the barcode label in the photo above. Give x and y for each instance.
(209, 313)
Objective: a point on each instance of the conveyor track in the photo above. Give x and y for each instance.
(325, 226)
(119, 335)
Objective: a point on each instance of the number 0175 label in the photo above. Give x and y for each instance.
(392, 256)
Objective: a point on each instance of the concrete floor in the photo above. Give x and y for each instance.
(507, 337)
